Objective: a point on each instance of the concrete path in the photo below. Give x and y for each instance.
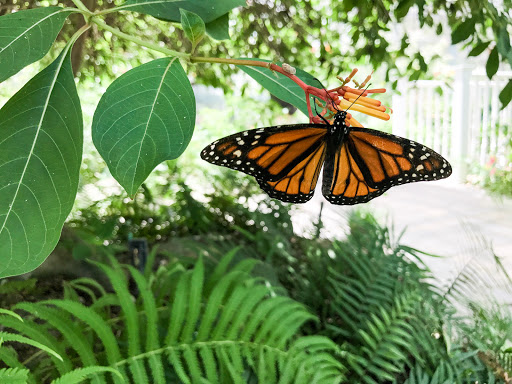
(459, 222)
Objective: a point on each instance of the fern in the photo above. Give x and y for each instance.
(217, 327)
(14, 375)
(80, 374)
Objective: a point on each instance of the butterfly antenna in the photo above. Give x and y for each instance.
(320, 115)
(357, 98)
(329, 95)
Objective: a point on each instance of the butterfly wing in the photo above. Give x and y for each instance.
(343, 181)
(369, 162)
(387, 160)
(269, 154)
(298, 185)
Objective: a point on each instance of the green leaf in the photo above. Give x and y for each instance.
(463, 31)
(27, 36)
(40, 155)
(493, 63)
(503, 42)
(146, 116)
(219, 28)
(281, 86)
(193, 26)
(170, 10)
(479, 48)
(506, 94)
(403, 8)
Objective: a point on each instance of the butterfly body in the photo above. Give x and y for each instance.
(359, 164)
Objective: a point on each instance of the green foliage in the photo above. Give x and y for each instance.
(157, 102)
(32, 32)
(377, 301)
(183, 325)
(133, 143)
(40, 155)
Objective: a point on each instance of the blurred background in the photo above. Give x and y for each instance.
(459, 228)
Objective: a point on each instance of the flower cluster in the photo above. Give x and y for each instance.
(345, 97)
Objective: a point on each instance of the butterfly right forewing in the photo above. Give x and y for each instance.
(268, 154)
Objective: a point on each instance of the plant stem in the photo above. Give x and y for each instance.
(77, 34)
(253, 63)
(82, 7)
(155, 47)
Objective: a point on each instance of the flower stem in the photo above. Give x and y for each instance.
(155, 47)
(252, 63)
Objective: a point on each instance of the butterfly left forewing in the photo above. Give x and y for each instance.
(387, 160)
(268, 154)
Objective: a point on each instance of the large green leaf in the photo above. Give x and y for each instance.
(281, 86)
(208, 10)
(40, 156)
(146, 116)
(26, 36)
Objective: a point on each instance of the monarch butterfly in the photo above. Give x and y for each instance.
(359, 164)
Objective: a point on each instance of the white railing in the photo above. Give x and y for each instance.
(463, 122)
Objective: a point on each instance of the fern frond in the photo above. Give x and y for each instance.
(40, 334)
(80, 374)
(151, 318)
(100, 327)
(133, 334)
(10, 313)
(6, 336)
(14, 376)
(71, 332)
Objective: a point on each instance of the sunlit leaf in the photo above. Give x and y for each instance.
(40, 156)
(146, 116)
(26, 36)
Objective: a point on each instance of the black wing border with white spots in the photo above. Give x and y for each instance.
(416, 153)
(251, 139)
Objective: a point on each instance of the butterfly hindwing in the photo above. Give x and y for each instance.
(343, 181)
(298, 185)
(268, 154)
(387, 160)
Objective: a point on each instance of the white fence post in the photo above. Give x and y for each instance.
(399, 106)
(461, 121)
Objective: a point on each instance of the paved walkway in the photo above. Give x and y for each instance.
(443, 218)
